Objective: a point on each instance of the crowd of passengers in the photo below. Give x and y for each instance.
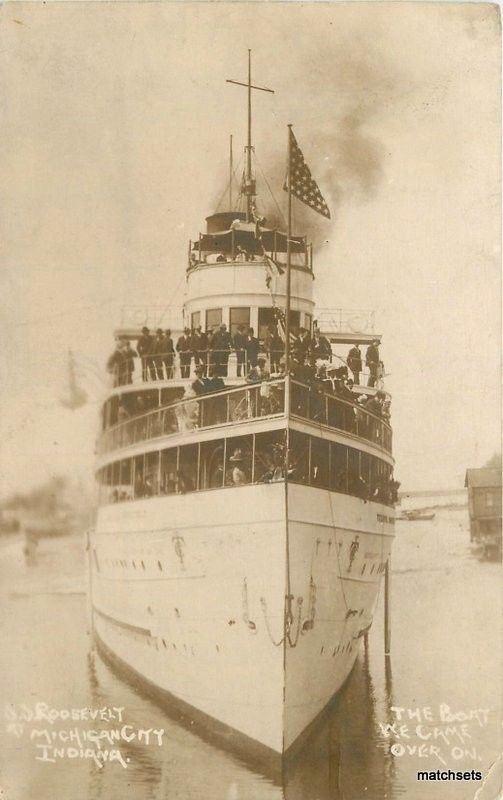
(210, 352)
(309, 366)
(307, 398)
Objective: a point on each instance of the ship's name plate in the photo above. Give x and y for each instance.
(385, 518)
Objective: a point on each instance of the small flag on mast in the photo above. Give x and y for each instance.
(304, 187)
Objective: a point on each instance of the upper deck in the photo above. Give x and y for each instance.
(245, 408)
(244, 435)
(342, 327)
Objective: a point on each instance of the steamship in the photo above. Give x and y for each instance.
(242, 602)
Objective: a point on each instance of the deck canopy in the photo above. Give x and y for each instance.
(244, 235)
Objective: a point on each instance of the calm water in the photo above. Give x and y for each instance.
(446, 614)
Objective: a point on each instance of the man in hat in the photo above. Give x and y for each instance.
(115, 364)
(128, 356)
(199, 386)
(144, 346)
(355, 363)
(321, 347)
(275, 347)
(195, 346)
(372, 361)
(184, 351)
(252, 348)
(203, 350)
(374, 404)
(158, 349)
(221, 346)
(302, 344)
(239, 476)
(169, 354)
(239, 342)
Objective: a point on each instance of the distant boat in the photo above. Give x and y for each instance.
(414, 516)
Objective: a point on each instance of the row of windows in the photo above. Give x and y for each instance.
(240, 315)
(255, 458)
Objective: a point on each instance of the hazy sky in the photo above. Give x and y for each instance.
(115, 124)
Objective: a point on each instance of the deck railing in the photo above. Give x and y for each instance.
(334, 412)
(153, 369)
(167, 366)
(248, 402)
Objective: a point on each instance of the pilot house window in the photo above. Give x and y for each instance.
(238, 317)
(213, 318)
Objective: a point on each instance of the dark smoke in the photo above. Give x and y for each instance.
(349, 88)
(336, 95)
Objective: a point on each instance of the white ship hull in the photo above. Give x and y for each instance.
(198, 611)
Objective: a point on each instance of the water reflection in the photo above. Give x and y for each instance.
(445, 611)
(341, 760)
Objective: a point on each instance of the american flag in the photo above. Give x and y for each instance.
(304, 187)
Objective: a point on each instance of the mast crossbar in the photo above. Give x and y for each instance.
(249, 185)
(250, 85)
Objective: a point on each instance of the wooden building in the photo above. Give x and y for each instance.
(484, 506)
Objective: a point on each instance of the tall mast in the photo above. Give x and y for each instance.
(288, 255)
(249, 182)
(249, 148)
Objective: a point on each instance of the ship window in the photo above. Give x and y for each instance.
(187, 468)
(239, 316)
(171, 394)
(151, 474)
(365, 467)
(213, 318)
(339, 467)
(238, 461)
(349, 423)
(137, 403)
(294, 320)
(168, 471)
(335, 413)
(269, 457)
(319, 462)
(211, 466)
(191, 467)
(267, 319)
(139, 474)
(114, 408)
(372, 474)
(353, 470)
(195, 320)
(298, 467)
